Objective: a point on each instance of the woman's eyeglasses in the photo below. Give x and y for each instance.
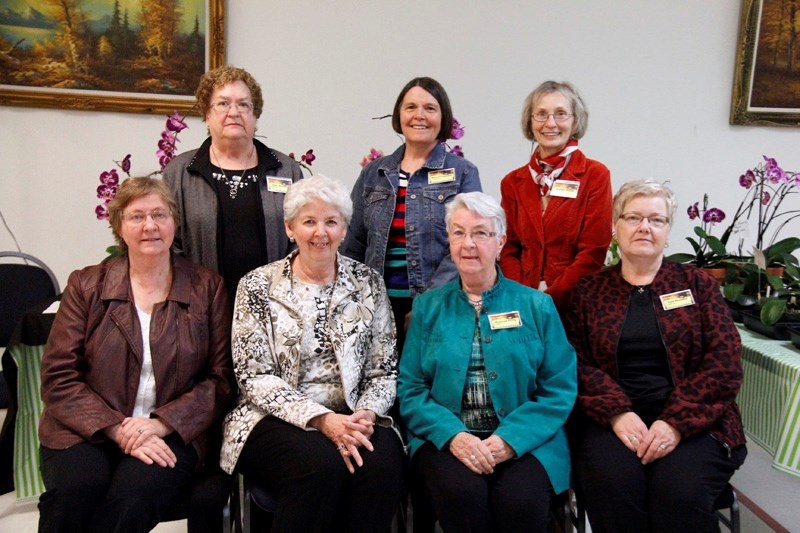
(476, 236)
(223, 106)
(137, 218)
(558, 116)
(634, 220)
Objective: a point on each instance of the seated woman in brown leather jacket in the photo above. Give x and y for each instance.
(136, 376)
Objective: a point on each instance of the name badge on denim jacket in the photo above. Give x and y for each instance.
(441, 176)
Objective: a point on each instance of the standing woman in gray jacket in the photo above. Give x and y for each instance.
(230, 190)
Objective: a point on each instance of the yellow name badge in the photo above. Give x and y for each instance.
(565, 189)
(441, 176)
(674, 300)
(505, 320)
(278, 184)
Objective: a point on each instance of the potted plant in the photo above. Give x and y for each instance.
(710, 252)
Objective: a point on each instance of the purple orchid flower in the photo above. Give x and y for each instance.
(176, 123)
(748, 179)
(101, 212)
(693, 211)
(109, 177)
(765, 197)
(713, 216)
(774, 173)
(457, 131)
(126, 164)
(372, 156)
(308, 158)
(457, 150)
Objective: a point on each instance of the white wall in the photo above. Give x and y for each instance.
(656, 77)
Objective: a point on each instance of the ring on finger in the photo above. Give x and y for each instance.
(140, 430)
(341, 446)
(472, 457)
(663, 446)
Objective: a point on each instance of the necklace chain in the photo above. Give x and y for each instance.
(234, 182)
(477, 304)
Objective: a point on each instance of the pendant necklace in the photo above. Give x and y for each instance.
(234, 182)
(477, 304)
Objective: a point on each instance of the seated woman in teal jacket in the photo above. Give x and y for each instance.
(487, 381)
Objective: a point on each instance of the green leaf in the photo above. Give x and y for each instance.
(772, 310)
(785, 246)
(695, 245)
(681, 257)
(775, 281)
(716, 245)
(732, 291)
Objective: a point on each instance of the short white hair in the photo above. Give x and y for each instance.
(480, 204)
(318, 187)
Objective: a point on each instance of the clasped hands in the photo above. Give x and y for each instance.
(348, 433)
(649, 444)
(143, 438)
(480, 456)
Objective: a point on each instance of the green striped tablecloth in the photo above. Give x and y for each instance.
(770, 398)
(28, 482)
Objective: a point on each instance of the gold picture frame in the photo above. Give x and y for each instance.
(160, 85)
(764, 91)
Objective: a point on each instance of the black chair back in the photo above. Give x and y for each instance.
(22, 285)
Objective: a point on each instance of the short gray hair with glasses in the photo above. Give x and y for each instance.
(646, 187)
(480, 204)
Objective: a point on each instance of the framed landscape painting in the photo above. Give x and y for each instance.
(137, 56)
(766, 85)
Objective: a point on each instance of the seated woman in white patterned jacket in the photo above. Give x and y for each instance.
(315, 359)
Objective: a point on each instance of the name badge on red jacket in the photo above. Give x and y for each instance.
(565, 189)
(677, 299)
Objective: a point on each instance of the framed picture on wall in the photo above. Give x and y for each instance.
(136, 56)
(766, 84)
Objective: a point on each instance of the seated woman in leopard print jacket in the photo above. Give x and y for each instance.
(314, 355)
(658, 433)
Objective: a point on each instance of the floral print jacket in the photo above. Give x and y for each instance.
(267, 329)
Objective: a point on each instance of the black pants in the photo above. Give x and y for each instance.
(314, 489)
(400, 308)
(673, 494)
(516, 497)
(96, 487)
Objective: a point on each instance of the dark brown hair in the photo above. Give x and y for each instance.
(437, 91)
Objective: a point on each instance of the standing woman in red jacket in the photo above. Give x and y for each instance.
(558, 205)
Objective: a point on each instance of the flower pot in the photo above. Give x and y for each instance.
(717, 272)
(776, 270)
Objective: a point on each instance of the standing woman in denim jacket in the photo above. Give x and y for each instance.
(398, 201)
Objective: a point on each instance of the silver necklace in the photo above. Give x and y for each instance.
(234, 182)
(477, 304)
